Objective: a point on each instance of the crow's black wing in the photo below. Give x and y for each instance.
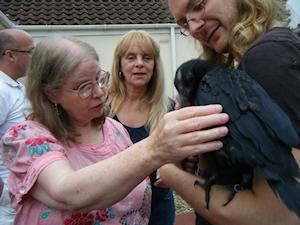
(261, 134)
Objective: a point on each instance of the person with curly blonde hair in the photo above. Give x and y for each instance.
(250, 35)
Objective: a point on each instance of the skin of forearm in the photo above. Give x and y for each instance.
(99, 185)
(256, 207)
(183, 184)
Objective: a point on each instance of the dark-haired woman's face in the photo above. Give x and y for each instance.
(209, 21)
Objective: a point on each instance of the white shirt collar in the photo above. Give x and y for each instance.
(8, 80)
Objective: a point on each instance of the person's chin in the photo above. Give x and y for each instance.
(220, 46)
(219, 42)
(96, 111)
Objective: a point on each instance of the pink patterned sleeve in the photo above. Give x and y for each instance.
(27, 149)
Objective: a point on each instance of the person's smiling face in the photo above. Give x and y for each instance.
(209, 21)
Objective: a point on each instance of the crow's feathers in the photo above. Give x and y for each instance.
(260, 136)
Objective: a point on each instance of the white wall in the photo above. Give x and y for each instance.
(105, 42)
(294, 6)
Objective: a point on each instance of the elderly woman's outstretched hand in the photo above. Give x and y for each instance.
(188, 131)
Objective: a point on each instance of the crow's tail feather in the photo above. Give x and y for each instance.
(289, 194)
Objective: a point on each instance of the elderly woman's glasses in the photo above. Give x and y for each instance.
(86, 89)
(197, 6)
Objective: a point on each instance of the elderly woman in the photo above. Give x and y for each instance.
(137, 99)
(67, 164)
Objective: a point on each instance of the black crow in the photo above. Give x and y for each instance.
(260, 137)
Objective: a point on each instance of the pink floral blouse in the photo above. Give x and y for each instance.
(29, 147)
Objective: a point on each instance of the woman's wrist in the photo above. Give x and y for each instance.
(150, 154)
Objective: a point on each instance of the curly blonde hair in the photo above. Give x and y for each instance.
(255, 18)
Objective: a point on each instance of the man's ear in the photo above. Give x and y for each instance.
(51, 94)
(9, 55)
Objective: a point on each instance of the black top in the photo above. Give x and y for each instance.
(274, 62)
(136, 133)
